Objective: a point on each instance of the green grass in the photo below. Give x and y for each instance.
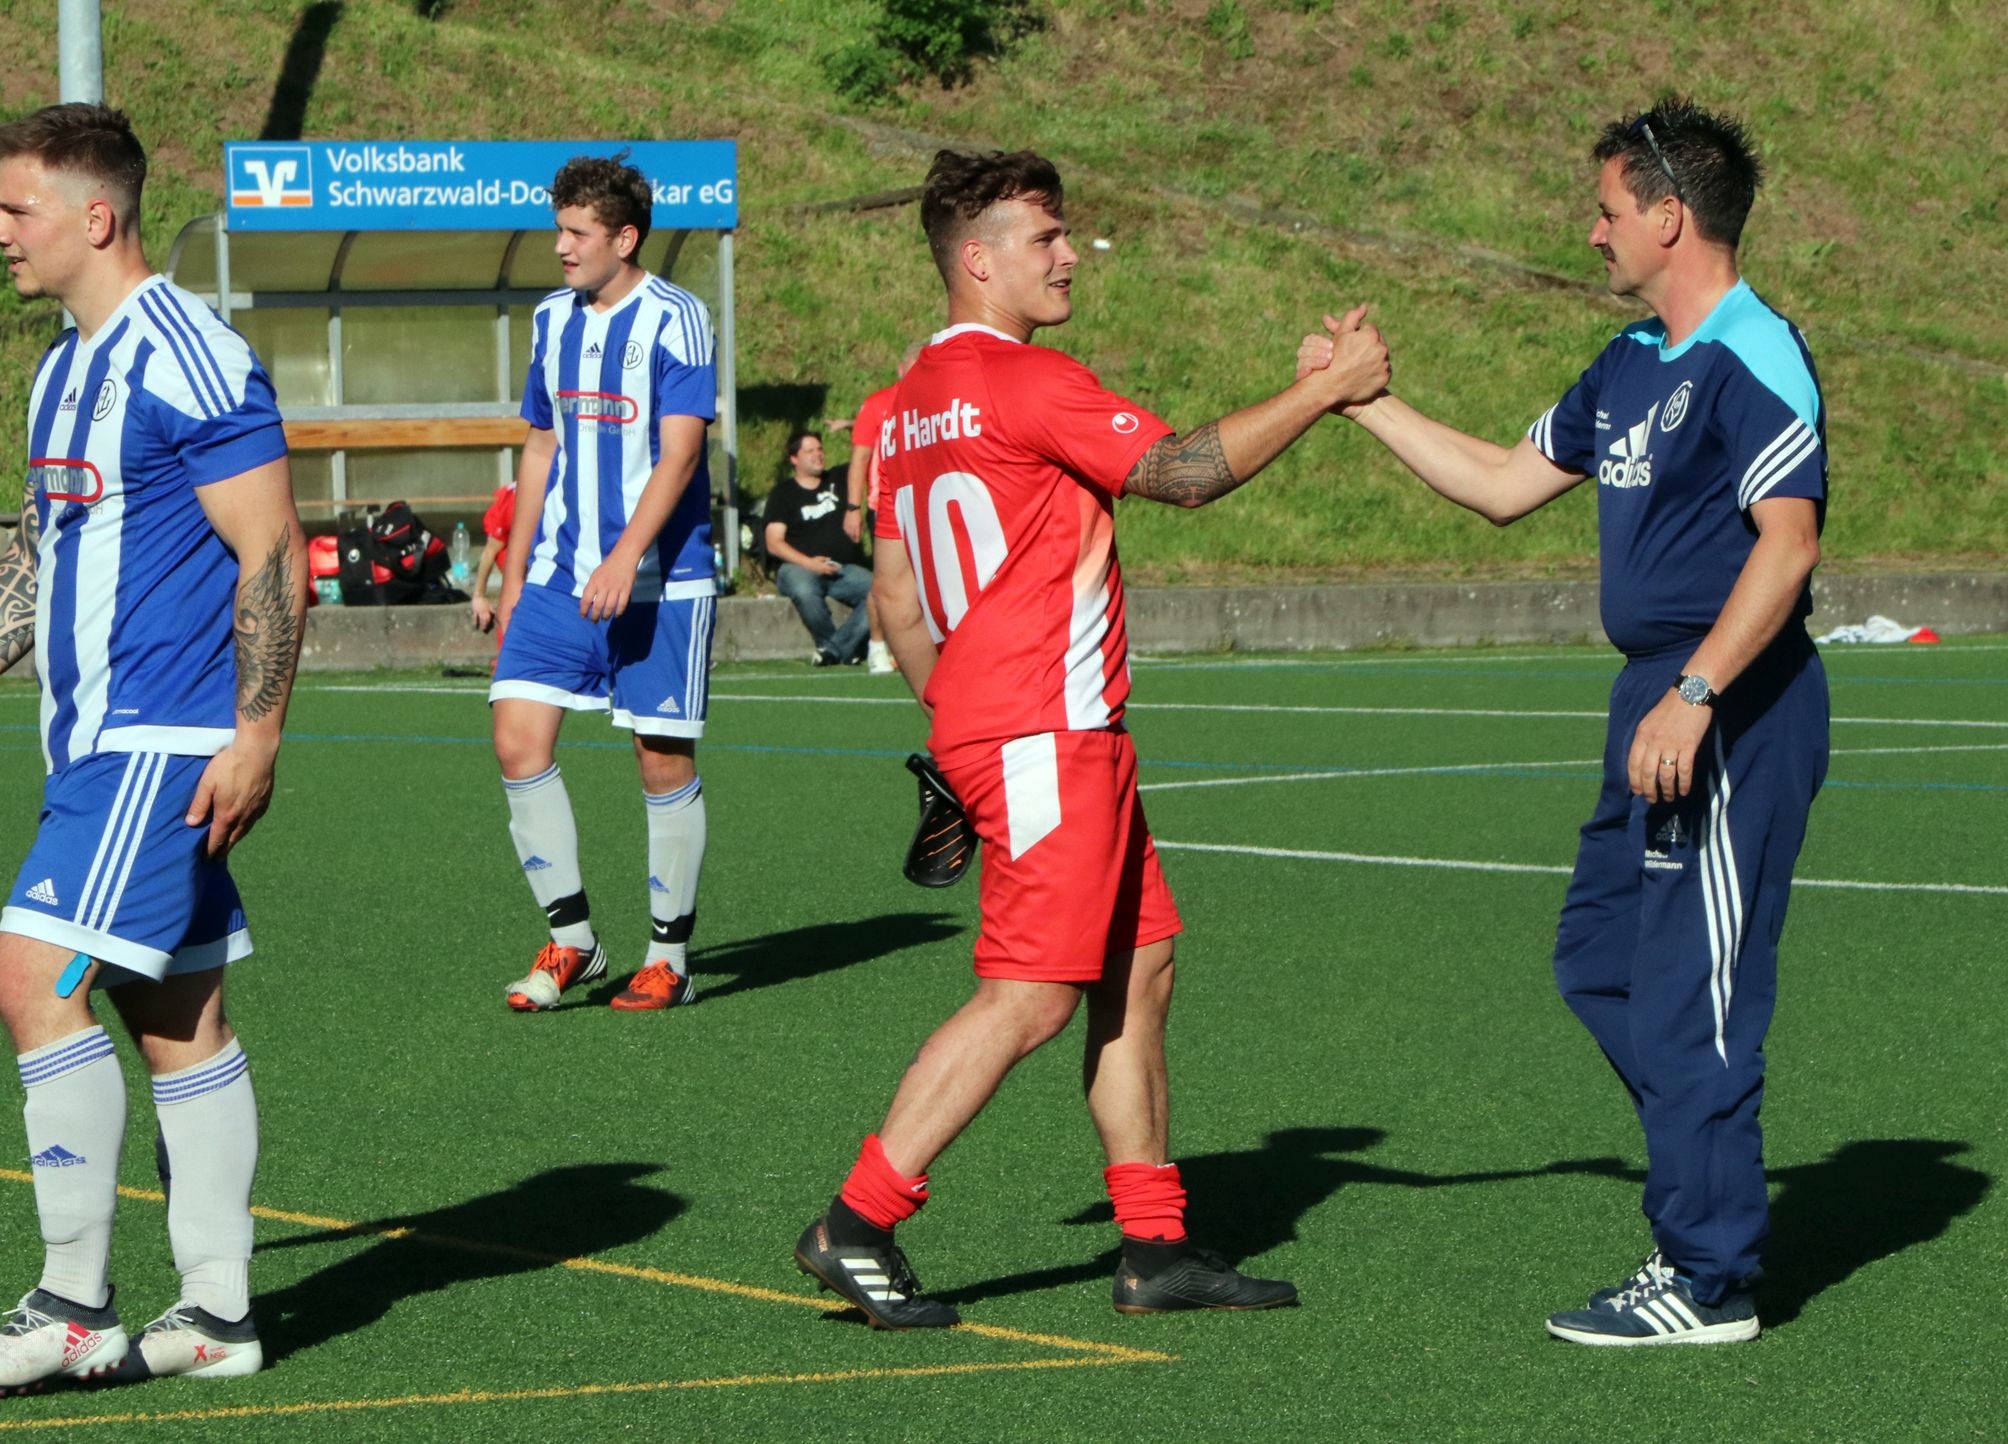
(1253, 164)
(1378, 1093)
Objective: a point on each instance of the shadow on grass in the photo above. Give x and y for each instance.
(293, 90)
(583, 1209)
(1864, 1201)
(1247, 1202)
(789, 957)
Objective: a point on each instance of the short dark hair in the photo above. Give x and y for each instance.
(86, 140)
(961, 187)
(610, 188)
(1710, 157)
(797, 437)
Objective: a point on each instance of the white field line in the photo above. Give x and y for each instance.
(1447, 770)
(1464, 865)
(1588, 651)
(422, 689)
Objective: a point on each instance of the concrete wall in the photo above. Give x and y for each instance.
(1184, 619)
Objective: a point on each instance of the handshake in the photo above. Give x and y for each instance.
(1349, 362)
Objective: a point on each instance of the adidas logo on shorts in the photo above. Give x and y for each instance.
(669, 706)
(44, 892)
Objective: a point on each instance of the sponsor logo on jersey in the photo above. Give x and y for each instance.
(62, 478)
(1676, 406)
(57, 1156)
(1124, 422)
(108, 397)
(1630, 461)
(44, 892)
(605, 406)
(267, 176)
(919, 428)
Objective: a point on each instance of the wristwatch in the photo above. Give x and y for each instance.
(1694, 690)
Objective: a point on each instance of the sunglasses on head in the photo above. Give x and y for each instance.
(1643, 126)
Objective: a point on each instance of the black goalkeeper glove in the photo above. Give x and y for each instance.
(944, 842)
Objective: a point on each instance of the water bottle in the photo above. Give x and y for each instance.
(457, 555)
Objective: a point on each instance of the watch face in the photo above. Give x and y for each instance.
(1693, 690)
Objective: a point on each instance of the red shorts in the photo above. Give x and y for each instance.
(1070, 874)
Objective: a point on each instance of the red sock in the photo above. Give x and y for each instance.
(877, 1192)
(1149, 1200)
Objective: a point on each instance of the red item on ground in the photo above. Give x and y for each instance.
(1149, 1200)
(1924, 635)
(877, 1192)
(324, 557)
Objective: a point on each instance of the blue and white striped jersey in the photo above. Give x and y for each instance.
(603, 381)
(1683, 441)
(134, 590)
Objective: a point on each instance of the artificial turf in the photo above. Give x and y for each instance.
(1376, 1091)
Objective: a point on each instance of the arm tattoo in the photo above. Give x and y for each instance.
(1184, 470)
(267, 634)
(17, 586)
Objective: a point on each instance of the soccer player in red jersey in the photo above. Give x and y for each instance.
(997, 580)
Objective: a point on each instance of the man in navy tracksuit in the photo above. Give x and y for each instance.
(1704, 429)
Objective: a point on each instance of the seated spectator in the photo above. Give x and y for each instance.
(817, 559)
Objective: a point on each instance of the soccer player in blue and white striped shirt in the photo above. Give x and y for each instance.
(168, 576)
(609, 592)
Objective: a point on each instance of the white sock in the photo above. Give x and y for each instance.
(675, 857)
(76, 1115)
(547, 844)
(209, 1124)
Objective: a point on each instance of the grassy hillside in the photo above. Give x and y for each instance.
(1252, 162)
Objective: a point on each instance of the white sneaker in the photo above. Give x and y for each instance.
(878, 659)
(191, 1342)
(47, 1337)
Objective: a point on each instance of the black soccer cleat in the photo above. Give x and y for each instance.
(877, 1279)
(1198, 1280)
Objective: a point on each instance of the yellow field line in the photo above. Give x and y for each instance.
(1106, 1353)
(517, 1396)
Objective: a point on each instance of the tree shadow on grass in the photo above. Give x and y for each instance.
(293, 91)
(1247, 1202)
(1864, 1201)
(583, 1209)
(789, 957)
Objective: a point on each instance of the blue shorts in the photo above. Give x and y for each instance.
(116, 874)
(651, 665)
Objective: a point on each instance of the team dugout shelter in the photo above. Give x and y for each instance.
(388, 286)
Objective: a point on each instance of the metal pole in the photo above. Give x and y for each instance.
(728, 401)
(80, 50)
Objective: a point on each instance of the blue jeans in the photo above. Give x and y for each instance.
(810, 591)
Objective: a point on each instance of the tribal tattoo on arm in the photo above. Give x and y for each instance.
(1188, 470)
(17, 585)
(267, 634)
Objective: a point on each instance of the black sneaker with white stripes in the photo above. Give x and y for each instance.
(1661, 1311)
(1197, 1280)
(877, 1278)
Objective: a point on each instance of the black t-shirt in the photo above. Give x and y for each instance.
(812, 520)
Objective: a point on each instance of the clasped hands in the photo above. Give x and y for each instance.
(1351, 357)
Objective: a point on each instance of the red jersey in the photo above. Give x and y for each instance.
(500, 516)
(868, 430)
(1002, 462)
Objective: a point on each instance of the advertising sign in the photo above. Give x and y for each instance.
(460, 185)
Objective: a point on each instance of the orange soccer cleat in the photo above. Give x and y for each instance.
(556, 969)
(656, 986)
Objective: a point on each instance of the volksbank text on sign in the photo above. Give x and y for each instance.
(460, 185)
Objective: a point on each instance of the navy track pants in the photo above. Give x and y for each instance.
(1668, 943)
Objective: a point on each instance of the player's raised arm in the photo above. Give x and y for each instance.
(1502, 484)
(254, 515)
(17, 584)
(1205, 464)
